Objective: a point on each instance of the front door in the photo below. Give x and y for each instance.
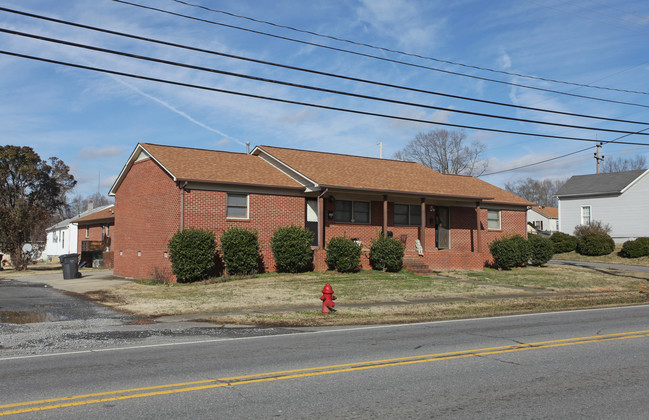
(311, 222)
(442, 228)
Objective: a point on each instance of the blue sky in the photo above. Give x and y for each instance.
(93, 120)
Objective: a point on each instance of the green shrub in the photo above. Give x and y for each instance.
(542, 249)
(291, 247)
(563, 242)
(593, 227)
(343, 255)
(240, 249)
(635, 249)
(192, 253)
(386, 254)
(510, 252)
(595, 243)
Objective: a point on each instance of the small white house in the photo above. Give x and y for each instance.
(544, 218)
(62, 238)
(619, 199)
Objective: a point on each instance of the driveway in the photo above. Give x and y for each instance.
(639, 268)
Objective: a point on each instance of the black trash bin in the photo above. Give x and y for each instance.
(70, 264)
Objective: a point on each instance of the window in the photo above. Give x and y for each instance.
(493, 219)
(62, 239)
(352, 211)
(87, 231)
(405, 214)
(585, 215)
(237, 206)
(107, 230)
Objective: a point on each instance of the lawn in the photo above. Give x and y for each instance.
(371, 297)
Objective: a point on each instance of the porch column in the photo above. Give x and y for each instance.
(321, 221)
(385, 216)
(478, 230)
(422, 230)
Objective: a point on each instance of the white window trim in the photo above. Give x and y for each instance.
(500, 220)
(590, 214)
(247, 217)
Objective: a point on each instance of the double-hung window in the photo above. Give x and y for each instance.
(493, 219)
(585, 215)
(409, 215)
(352, 211)
(237, 206)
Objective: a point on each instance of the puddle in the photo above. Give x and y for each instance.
(28, 317)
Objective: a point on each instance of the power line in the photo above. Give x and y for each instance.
(268, 98)
(301, 86)
(377, 57)
(334, 75)
(562, 156)
(362, 44)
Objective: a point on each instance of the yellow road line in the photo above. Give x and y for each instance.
(307, 372)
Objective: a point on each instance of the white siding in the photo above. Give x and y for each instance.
(625, 213)
(549, 224)
(60, 247)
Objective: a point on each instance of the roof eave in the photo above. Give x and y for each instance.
(129, 164)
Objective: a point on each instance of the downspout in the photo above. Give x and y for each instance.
(321, 223)
(182, 206)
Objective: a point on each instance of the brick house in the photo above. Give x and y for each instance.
(94, 233)
(444, 221)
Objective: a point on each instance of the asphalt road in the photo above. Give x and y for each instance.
(591, 364)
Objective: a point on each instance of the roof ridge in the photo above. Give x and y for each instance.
(200, 149)
(340, 154)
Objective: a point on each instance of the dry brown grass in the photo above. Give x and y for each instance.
(612, 258)
(373, 297)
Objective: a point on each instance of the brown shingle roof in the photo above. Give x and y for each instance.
(217, 166)
(549, 212)
(355, 172)
(106, 214)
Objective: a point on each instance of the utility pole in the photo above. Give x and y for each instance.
(597, 158)
(380, 149)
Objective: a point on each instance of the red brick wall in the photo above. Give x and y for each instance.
(207, 210)
(147, 214)
(94, 234)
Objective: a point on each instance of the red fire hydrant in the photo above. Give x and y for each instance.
(327, 299)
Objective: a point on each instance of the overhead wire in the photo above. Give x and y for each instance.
(378, 57)
(318, 72)
(562, 156)
(362, 44)
(288, 101)
(301, 86)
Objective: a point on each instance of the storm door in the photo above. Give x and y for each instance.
(311, 222)
(442, 228)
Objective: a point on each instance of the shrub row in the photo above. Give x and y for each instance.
(636, 248)
(592, 239)
(516, 251)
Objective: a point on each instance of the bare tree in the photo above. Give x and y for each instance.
(540, 192)
(621, 164)
(446, 152)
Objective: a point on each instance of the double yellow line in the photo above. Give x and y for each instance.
(125, 394)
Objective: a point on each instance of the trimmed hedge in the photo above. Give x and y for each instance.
(635, 249)
(386, 254)
(542, 250)
(563, 242)
(343, 255)
(510, 252)
(240, 248)
(595, 243)
(192, 253)
(291, 247)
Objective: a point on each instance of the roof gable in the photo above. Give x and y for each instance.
(210, 166)
(599, 184)
(549, 212)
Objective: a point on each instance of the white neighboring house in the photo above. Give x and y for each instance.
(544, 218)
(619, 199)
(62, 238)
